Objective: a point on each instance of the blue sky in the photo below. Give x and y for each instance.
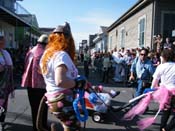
(84, 16)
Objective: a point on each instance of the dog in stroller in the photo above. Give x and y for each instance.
(98, 101)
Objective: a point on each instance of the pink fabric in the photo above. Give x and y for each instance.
(162, 95)
(86, 95)
(50, 96)
(139, 108)
(32, 76)
(60, 104)
(144, 123)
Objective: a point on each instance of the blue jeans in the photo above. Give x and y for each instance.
(139, 88)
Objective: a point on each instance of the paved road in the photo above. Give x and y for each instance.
(19, 117)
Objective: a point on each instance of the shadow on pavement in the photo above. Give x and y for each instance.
(17, 127)
(13, 116)
(116, 118)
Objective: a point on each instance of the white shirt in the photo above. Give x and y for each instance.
(58, 59)
(166, 72)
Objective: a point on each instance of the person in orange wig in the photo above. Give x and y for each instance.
(59, 71)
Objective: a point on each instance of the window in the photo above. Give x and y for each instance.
(122, 37)
(168, 23)
(141, 31)
(110, 42)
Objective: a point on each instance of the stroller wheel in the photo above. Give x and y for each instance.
(97, 117)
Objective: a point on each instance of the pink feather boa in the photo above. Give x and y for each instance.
(162, 95)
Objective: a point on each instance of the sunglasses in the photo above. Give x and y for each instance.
(143, 54)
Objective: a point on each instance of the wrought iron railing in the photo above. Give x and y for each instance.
(20, 10)
(17, 9)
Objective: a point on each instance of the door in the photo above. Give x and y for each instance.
(168, 24)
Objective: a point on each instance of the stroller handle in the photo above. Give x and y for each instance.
(139, 97)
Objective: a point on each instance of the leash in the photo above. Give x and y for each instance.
(80, 99)
(84, 127)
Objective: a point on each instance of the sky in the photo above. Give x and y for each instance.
(85, 16)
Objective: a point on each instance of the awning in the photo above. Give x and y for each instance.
(12, 18)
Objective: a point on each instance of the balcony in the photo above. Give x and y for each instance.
(17, 10)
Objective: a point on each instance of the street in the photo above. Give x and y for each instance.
(109, 42)
(19, 116)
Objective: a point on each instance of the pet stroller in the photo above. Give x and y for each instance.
(98, 104)
(98, 101)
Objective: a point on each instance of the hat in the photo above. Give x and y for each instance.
(43, 38)
(63, 29)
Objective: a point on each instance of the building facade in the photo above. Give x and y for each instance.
(46, 30)
(9, 32)
(140, 23)
(83, 46)
(100, 41)
(91, 43)
(17, 29)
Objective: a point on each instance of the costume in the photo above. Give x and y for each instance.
(164, 95)
(6, 80)
(60, 99)
(34, 81)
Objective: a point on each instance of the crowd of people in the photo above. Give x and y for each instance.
(116, 64)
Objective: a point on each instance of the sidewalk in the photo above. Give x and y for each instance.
(18, 114)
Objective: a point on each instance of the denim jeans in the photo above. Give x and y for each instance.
(139, 87)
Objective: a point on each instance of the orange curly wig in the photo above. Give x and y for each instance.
(57, 42)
